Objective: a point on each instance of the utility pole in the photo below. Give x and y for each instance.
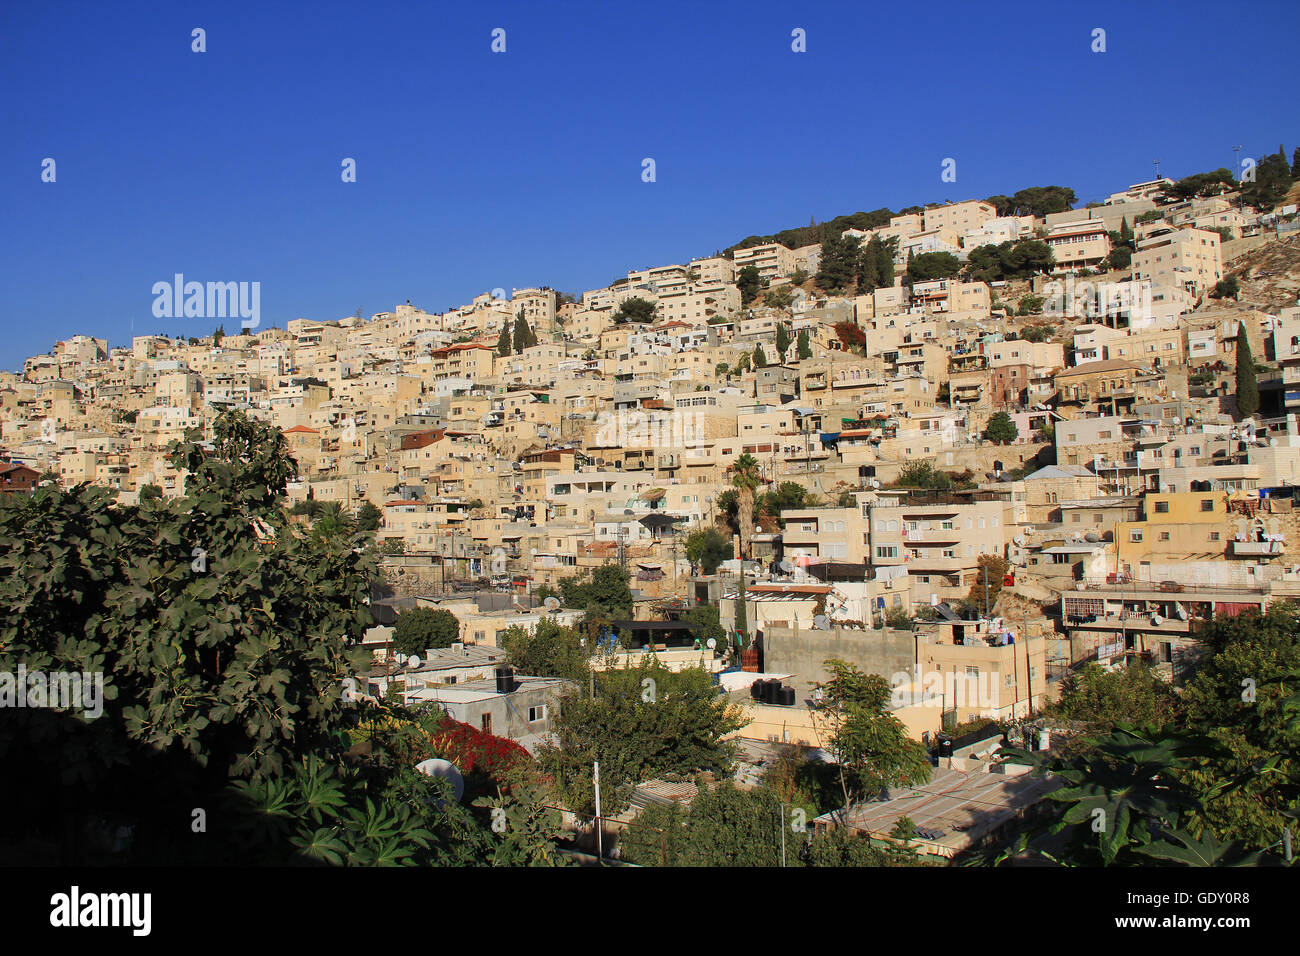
(600, 841)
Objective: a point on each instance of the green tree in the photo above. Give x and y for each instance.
(642, 722)
(933, 265)
(425, 627)
(839, 262)
(782, 340)
(750, 283)
(1132, 695)
(1030, 305)
(805, 350)
(1272, 181)
(922, 474)
(523, 337)
(636, 309)
(706, 548)
(706, 625)
(1037, 201)
(223, 634)
(1245, 695)
(548, 650)
(149, 493)
(1247, 386)
(870, 745)
(368, 517)
(605, 595)
(503, 340)
(760, 359)
(1001, 429)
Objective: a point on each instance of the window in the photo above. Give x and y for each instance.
(1207, 504)
(1162, 507)
(536, 713)
(1214, 536)
(1135, 536)
(1164, 535)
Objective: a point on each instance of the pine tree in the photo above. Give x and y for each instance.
(1295, 163)
(760, 359)
(805, 350)
(1247, 386)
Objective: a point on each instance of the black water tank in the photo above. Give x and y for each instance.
(505, 680)
(945, 746)
(787, 696)
(756, 690)
(773, 692)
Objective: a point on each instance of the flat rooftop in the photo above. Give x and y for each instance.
(955, 810)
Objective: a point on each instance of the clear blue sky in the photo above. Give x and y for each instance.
(478, 170)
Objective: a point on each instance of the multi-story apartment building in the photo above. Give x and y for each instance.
(1181, 258)
(1078, 245)
(771, 259)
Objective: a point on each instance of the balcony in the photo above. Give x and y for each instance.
(935, 535)
(1256, 549)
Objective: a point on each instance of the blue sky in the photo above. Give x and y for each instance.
(478, 170)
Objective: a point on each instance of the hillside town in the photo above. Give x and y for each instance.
(970, 447)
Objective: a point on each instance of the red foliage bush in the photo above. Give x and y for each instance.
(475, 751)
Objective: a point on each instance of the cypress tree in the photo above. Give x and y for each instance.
(1247, 387)
(503, 342)
(782, 340)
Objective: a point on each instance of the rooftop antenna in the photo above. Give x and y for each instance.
(1236, 162)
(1157, 163)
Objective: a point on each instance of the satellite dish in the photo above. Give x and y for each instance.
(711, 643)
(1019, 540)
(350, 693)
(820, 622)
(1092, 537)
(413, 660)
(443, 770)
(551, 604)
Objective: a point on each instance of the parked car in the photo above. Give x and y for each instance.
(1172, 587)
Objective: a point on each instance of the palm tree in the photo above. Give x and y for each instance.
(332, 521)
(746, 478)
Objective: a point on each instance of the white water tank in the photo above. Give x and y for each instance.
(1044, 739)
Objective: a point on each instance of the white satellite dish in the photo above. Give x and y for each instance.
(820, 622)
(551, 604)
(350, 692)
(711, 643)
(443, 770)
(413, 660)
(1019, 540)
